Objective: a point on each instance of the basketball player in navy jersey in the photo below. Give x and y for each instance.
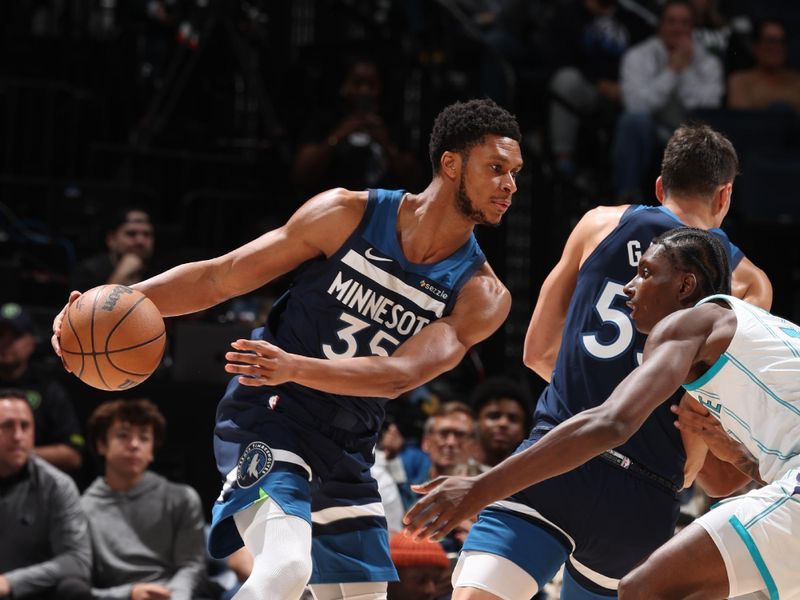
(583, 342)
(393, 290)
(741, 364)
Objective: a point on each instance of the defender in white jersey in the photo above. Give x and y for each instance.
(738, 361)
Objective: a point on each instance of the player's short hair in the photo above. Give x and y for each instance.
(139, 411)
(697, 160)
(699, 252)
(463, 125)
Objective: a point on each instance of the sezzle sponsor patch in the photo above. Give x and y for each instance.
(255, 462)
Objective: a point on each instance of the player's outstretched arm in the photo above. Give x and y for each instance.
(543, 340)
(481, 308)
(319, 227)
(669, 355)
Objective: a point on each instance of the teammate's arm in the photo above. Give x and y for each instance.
(670, 353)
(751, 284)
(481, 308)
(543, 340)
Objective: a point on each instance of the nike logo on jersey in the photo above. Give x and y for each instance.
(372, 256)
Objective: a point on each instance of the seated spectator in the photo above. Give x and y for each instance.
(45, 551)
(662, 80)
(353, 146)
(449, 441)
(770, 82)
(58, 438)
(504, 412)
(147, 533)
(423, 569)
(722, 29)
(130, 239)
(587, 40)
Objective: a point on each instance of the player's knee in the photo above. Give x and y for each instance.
(637, 586)
(294, 571)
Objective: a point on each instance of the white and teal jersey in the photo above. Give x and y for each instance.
(754, 387)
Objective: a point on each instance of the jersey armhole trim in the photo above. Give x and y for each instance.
(708, 375)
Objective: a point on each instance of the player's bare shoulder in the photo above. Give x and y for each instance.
(594, 227)
(328, 219)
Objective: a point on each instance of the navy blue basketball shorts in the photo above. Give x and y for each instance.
(312, 471)
(598, 519)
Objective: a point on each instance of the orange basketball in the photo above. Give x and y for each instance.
(112, 337)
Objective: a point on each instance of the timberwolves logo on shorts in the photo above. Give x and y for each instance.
(256, 461)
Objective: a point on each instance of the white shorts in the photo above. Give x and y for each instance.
(758, 536)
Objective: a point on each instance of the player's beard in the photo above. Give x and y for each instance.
(467, 208)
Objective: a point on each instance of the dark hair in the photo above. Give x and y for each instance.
(449, 408)
(118, 217)
(495, 388)
(13, 394)
(758, 28)
(686, 3)
(465, 124)
(697, 160)
(699, 252)
(136, 412)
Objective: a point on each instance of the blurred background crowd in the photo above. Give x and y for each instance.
(138, 134)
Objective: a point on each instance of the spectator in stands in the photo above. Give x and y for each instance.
(587, 40)
(58, 438)
(722, 30)
(770, 82)
(662, 79)
(147, 533)
(449, 441)
(44, 544)
(422, 567)
(398, 451)
(504, 412)
(353, 146)
(130, 240)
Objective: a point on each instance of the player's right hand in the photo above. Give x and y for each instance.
(57, 322)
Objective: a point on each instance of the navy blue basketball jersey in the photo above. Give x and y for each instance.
(364, 300)
(600, 345)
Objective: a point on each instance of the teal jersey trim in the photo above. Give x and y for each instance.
(756, 556)
(708, 375)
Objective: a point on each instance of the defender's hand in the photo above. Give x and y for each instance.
(710, 430)
(448, 502)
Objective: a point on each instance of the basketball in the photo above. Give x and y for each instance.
(112, 337)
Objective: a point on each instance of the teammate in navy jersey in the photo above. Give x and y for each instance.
(605, 517)
(740, 364)
(392, 291)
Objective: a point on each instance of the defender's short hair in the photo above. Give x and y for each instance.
(699, 252)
